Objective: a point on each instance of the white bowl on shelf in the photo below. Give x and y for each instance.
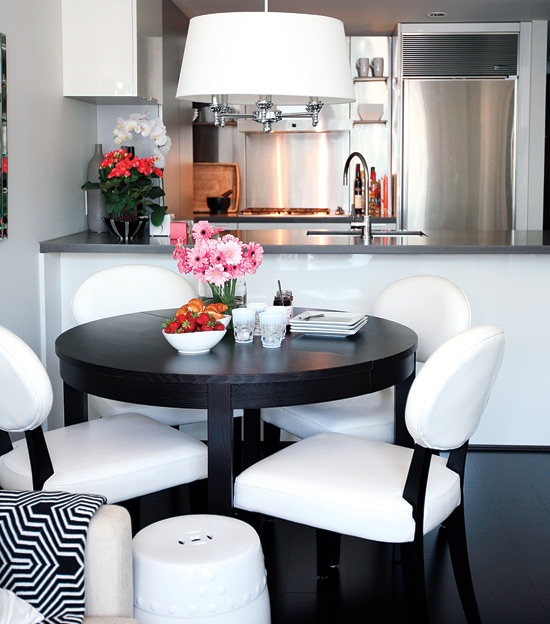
(196, 342)
(370, 112)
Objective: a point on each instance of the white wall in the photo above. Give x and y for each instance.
(50, 141)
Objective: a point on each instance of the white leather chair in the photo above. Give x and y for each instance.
(133, 288)
(435, 308)
(385, 492)
(122, 457)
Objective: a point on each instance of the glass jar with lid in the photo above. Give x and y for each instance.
(285, 298)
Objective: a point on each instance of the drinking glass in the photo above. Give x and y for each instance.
(258, 307)
(282, 310)
(243, 324)
(272, 327)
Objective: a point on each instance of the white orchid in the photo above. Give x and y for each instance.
(160, 159)
(144, 127)
(165, 148)
(154, 129)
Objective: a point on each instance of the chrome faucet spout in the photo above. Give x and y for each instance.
(362, 223)
(348, 161)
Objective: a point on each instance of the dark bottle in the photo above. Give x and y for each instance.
(358, 193)
(130, 149)
(95, 202)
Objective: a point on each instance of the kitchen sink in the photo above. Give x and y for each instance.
(358, 232)
(400, 233)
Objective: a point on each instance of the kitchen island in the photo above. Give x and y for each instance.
(326, 241)
(504, 274)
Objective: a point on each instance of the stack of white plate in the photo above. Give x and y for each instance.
(320, 323)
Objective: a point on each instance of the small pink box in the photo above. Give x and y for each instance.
(178, 229)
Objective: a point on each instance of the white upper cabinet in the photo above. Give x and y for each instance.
(112, 50)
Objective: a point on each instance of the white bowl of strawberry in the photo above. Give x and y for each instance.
(193, 333)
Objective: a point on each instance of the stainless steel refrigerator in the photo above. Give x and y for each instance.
(457, 141)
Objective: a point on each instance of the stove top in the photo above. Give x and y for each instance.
(286, 211)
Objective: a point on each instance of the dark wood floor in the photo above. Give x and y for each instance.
(507, 502)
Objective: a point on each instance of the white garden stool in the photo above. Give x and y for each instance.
(200, 569)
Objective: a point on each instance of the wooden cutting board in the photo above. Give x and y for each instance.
(213, 179)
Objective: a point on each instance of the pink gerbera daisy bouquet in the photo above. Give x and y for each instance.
(218, 261)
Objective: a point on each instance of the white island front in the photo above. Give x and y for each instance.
(504, 275)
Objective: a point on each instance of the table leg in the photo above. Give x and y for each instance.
(402, 435)
(220, 450)
(75, 405)
(252, 443)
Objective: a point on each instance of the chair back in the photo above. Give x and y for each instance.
(26, 394)
(449, 395)
(129, 288)
(432, 306)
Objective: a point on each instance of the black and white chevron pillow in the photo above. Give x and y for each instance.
(42, 543)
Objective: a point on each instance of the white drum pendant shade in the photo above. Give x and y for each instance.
(289, 56)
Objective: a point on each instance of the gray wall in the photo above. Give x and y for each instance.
(49, 139)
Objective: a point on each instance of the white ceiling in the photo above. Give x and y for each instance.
(379, 17)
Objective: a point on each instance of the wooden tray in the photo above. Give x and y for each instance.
(213, 179)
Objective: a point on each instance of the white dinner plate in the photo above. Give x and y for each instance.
(328, 319)
(329, 331)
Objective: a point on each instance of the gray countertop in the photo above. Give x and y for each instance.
(281, 241)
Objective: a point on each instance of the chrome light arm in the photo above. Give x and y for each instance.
(265, 116)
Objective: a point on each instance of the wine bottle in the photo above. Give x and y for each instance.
(358, 192)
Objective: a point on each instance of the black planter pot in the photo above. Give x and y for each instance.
(125, 230)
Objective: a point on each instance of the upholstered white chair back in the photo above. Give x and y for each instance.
(25, 390)
(449, 395)
(434, 307)
(129, 288)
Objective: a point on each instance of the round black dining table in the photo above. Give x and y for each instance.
(126, 358)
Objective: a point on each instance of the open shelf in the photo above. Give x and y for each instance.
(371, 79)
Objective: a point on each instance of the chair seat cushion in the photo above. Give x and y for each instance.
(348, 485)
(172, 416)
(120, 457)
(366, 416)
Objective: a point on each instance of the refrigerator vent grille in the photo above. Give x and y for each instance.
(476, 54)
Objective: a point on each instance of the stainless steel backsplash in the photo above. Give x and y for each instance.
(295, 170)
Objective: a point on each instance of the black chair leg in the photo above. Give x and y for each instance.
(133, 506)
(272, 439)
(328, 551)
(198, 496)
(412, 558)
(456, 535)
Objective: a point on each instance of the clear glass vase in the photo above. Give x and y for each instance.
(232, 293)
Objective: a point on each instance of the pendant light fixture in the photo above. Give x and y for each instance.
(268, 60)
